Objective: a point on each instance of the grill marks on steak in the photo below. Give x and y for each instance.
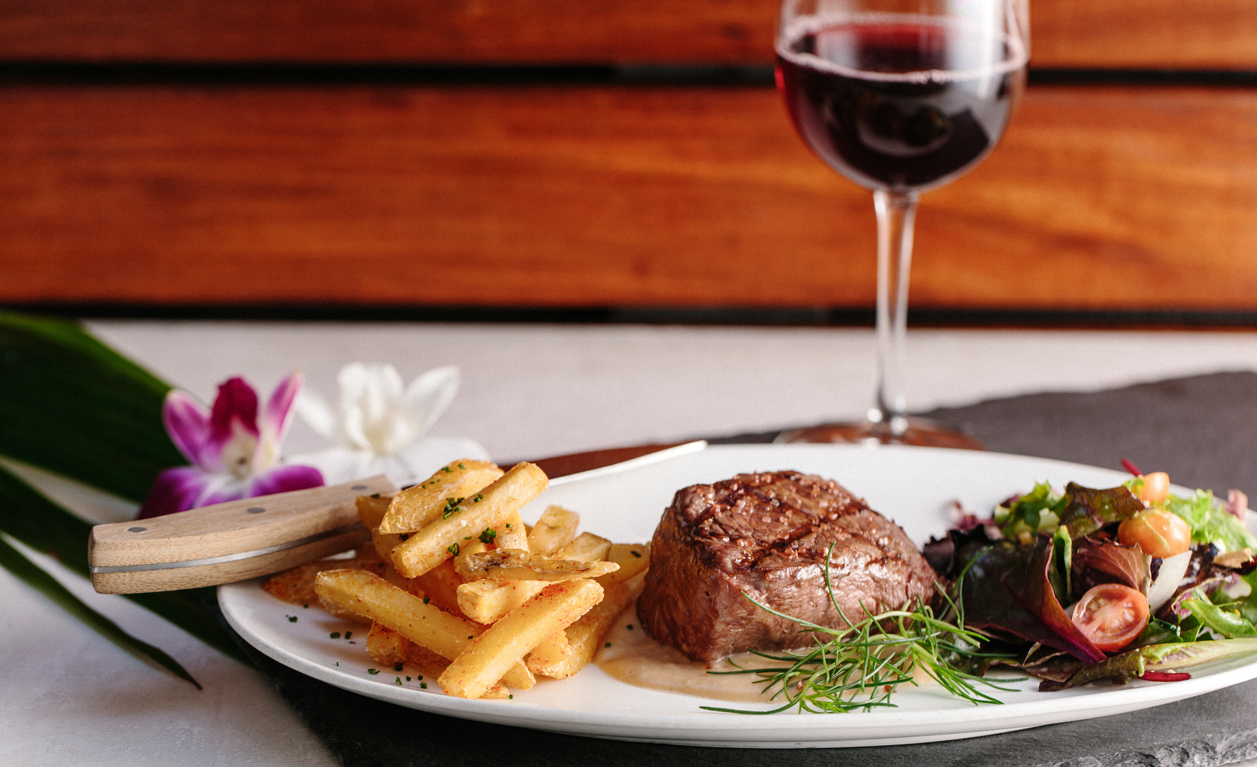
(767, 534)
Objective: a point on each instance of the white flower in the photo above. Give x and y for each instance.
(378, 424)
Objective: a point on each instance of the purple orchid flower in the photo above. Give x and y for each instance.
(233, 448)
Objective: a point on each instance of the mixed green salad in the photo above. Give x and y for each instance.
(1081, 584)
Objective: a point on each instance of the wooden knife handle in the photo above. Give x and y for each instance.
(230, 541)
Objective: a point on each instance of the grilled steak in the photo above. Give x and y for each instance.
(767, 534)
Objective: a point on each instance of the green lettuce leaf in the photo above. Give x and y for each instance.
(1156, 659)
(1210, 522)
(1038, 511)
(1217, 618)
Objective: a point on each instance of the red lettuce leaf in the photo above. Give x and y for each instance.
(1099, 561)
(1006, 589)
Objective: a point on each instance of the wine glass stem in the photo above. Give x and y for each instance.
(896, 213)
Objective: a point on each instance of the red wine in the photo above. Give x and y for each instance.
(898, 102)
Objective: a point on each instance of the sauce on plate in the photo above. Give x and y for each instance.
(633, 657)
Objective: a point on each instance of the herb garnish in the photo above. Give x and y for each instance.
(451, 507)
(862, 664)
(488, 535)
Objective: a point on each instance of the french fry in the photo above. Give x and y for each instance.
(426, 625)
(416, 507)
(296, 586)
(372, 508)
(587, 547)
(440, 586)
(487, 601)
(586, 634)
(487, 658)
(386, 646)
(632, 558)
(513, 534)
(552, 651)
(432, 545)
(516, 565)
(494, 538)
(555, 529)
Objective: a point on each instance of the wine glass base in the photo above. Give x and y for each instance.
(920, 432)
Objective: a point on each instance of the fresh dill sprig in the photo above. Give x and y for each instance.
(862, 664)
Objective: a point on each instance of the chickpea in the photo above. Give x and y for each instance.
(1156, 487)
(1156, 533)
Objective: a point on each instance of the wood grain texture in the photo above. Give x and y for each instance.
(146, 581)
(311, 523)
(1098, 198)
(443, 31)
(1065, 33)
(1151, 34)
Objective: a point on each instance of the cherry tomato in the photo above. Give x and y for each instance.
(1158, 533)
(1111, 615)
(1156, 487)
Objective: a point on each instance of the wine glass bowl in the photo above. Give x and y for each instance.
(900, 98)
(903, 101)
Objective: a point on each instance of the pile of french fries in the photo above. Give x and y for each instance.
(459, 587)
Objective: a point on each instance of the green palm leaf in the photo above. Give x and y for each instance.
(12, 560)
(41, 524)
(72, 405)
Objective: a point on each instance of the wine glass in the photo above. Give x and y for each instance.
(899, 96)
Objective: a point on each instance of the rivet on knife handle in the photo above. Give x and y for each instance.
(230, 541)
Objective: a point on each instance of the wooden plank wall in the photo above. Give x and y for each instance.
(322, 152)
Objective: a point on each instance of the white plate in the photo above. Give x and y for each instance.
(913, 486)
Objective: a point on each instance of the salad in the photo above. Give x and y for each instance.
(1079, 584)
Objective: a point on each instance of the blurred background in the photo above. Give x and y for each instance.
(612, 160)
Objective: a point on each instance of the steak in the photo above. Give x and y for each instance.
(767, 535)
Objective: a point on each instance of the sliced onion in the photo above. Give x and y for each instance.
(1168, 578)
